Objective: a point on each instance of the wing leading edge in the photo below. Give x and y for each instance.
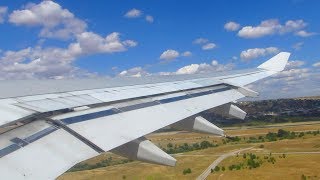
(56, 131)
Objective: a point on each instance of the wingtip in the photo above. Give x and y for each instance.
(276, 63)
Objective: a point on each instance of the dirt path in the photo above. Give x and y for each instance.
(206, 173)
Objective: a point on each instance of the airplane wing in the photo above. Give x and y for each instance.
(48, 126)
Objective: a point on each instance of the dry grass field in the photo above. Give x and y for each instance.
(298, 161)
(291, 167)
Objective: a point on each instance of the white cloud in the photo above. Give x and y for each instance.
(304, 33)
(258, 52)
(204, 68)
(209, 46)
(55, 21)
(316, 64)
(3, 12)
(205, 44)
(200, 41)
(297, 46)
(130, 43)
(55, 62)
(169, 54)
(134, 72)
(294, 64)
(90, 43)
(38, 63)
(289, 83)
(271, 26)
(189, 69)
(149, 18)
(133, 13)
(231, 26)
(214, 63)
(186, 54)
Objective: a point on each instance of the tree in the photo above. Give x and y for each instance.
(186, 171)
(217, 168)
(223, 168)
(244, 155)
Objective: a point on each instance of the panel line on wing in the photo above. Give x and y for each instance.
(112, 111)
(77, 135)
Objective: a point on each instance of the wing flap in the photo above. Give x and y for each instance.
(25, 152)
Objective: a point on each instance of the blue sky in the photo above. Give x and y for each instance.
(64, 39)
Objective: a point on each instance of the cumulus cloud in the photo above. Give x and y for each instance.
(304, 33)
(134, 72)
(149, 18)
(209, 46)
(55, 21)
(200, 41)
(169, 54)
(257, 52)
(136, 13)
(232, 26)
(290, 83)
(297, 46)
(133, 13)
(186, 54)
(38, 63)
(294, 64)
(130, 43)
(270, 27)
(205, 44)
(90, 43)
(3, 12)
(189, 69)
(55, 62)
(317, 64)
(204, 68)
(214, 66)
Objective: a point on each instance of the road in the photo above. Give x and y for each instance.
(206, 173)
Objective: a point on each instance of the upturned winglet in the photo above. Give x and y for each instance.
(276, 63)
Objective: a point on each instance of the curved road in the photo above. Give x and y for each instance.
(206, 173)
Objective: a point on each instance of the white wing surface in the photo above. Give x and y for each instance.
(46, 127)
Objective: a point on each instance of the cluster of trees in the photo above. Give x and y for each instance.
(250, 161)
(217, 168)
(173, 149)
(281, 134)
(253, 161)
(103, 163)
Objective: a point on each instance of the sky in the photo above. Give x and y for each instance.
(63, 39)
